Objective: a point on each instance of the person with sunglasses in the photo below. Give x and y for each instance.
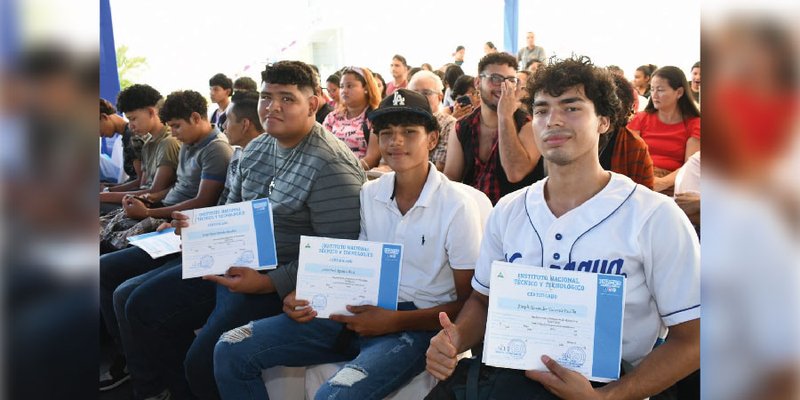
(493, 148)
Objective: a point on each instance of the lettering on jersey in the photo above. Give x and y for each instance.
(513, 257)
(599, 266)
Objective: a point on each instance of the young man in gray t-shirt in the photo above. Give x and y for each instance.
(313, 182)
(202, 161)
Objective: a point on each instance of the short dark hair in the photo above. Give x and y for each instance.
(412, 71)
(491, 45)
(451, 74)
(615, 69)
(400, 58)
(459, 48)
(462, 85)
(106, 107)
(404, 118)
(334, 78)
(531, 61)
(222, 81)
(137, 96)
(245, 83)
(245, 106)
(626, 99)
(440, 74)
(598, 86)
(647, 69)
(497, 58)
(290, 73)
(696, 65)
(181, 104)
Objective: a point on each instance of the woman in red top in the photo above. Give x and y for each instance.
(670, 125)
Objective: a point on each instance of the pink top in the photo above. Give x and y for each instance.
(666, 142)
(350, 131)
(390, 87)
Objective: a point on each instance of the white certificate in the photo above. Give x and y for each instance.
(573, 317)
(220, 237)
(335, 273)
(158, 244)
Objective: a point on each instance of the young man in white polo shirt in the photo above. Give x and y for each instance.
(439, 225)
(586, 219)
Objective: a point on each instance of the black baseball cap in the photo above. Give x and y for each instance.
(403, 100)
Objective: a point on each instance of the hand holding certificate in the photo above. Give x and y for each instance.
(573, 317)
(335, 273)
(218, 238)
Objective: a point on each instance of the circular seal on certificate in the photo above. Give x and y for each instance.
(246, 257)
(517, 348)
(574, 357)
(206, 261)
(319, 302)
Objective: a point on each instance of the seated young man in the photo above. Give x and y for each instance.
(112, 124)
(202, 170)
(312, 181)
(438, 224)
(203, 162)
(579, 213)
(140, 105)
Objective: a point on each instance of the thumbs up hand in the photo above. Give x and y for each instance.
(442, 354)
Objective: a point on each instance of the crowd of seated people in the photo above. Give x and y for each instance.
(539, 142)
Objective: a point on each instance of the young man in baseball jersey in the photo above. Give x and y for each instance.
(439, 225)
(586, 219)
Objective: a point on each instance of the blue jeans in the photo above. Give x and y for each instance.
(380, 365)
(162, 312)
(165, 311)
(115, 269)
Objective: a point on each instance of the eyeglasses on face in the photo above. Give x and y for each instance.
(498, 79)
(427, 92)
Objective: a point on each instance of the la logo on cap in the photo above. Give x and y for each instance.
(399, 100)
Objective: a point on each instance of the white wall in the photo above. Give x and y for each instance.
(186, 42)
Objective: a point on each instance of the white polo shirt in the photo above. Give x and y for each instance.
(626, 229)
(441, 231)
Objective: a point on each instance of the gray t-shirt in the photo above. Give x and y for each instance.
(316, 193)
(233, 170)
(525, 54)
(206, 159)
(159, 152)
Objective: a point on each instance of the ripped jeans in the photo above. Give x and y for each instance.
(377, 365)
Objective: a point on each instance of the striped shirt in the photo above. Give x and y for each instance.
(233, 171)
(316, 193)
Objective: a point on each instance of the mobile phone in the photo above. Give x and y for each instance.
(464, 100)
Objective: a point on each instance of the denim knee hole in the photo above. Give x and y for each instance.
(238, 334)
(348, 376)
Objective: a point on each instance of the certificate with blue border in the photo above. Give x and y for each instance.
(335, 273)
(220, 237)
(573, 317)
(158, 244)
